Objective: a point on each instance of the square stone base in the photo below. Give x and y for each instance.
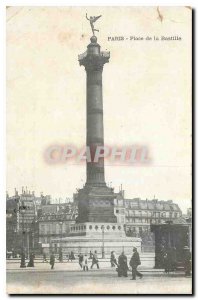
(102, 237)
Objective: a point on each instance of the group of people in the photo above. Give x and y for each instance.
(83, 261)
(167, 257)
(71, 257)
(31, 260)
(122, 264)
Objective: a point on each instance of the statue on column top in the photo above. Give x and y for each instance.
(92, 20)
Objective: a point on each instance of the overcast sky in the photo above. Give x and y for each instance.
(146, 95)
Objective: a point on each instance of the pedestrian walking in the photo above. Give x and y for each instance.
(52, 260)
(113, 259)
(173, 259)
(134, 263)
(23, 264)
(69, 257)
(161, 257)
(72, 256)
(95, 260)
(44, 257)
(85, 263)
(60, 255)
(80, 260)
(122, 265)
(167, 260)
(187, 261)
(31, 261)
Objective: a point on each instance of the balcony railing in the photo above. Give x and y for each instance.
(83, 55)
(105, 54)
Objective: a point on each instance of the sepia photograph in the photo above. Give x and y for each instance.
(99, 150)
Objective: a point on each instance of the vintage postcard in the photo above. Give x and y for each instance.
(99, 141)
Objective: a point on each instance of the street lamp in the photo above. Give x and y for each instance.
(22, 211)
(60, 249)
(103, 252)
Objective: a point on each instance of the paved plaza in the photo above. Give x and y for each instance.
(68, 278)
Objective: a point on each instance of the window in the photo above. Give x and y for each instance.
(42, 229)
(122, 219)
(53, 228)
(130, 213)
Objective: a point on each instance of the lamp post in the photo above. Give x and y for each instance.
(28, 242)
(60, 249)
(22, 211)
(103, 252)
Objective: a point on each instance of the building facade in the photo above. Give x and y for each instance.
(21, 220)
(55, 222)
(139, 214)
(34, 221)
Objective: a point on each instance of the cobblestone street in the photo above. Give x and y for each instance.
(68, 278)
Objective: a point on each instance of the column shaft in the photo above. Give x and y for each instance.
(95, 130)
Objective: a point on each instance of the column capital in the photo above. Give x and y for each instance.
(94, 59)
(94, 62)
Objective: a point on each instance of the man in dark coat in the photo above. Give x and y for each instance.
(52, 260)
(60, 255)
(72, 256)
(173, 259)
(187, 261)
(168, 260)
(95, 260)
(122, 265)
(80, 259)
(31, 261)
(134, 263)
(23, 264)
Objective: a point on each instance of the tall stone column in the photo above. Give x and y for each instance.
(93, 60)
(95, 200)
